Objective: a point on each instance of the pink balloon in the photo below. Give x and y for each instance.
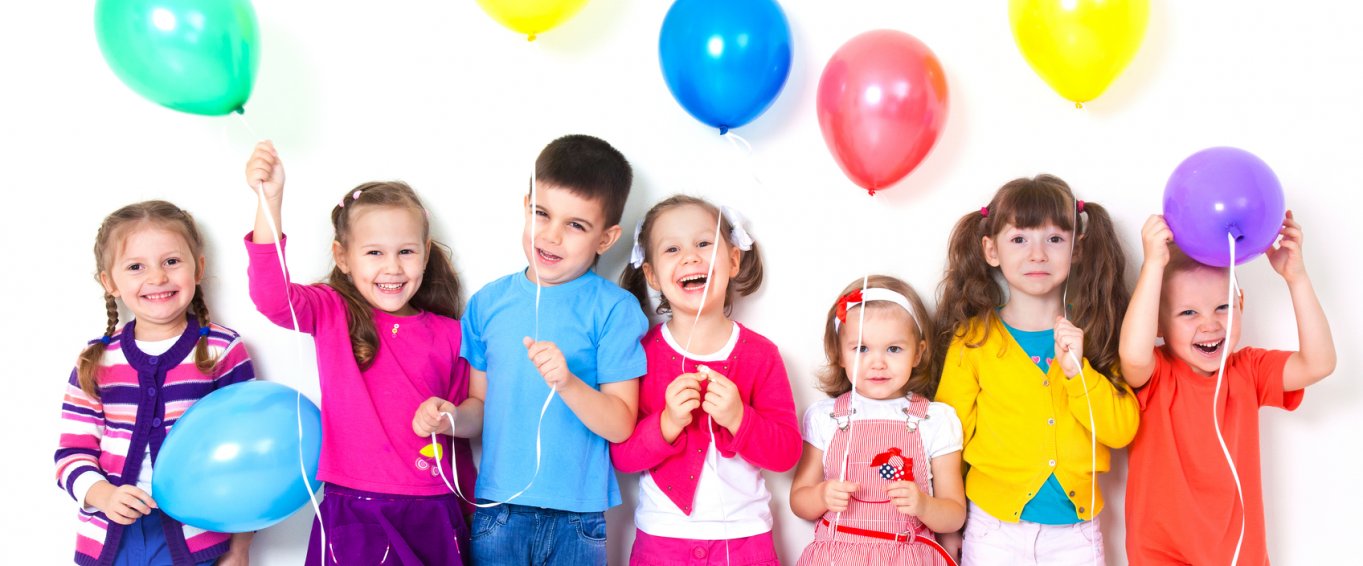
(882, 103)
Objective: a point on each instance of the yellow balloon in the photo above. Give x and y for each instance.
(1078, 46)
(531, 17)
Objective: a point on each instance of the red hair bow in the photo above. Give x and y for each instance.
(854, 298)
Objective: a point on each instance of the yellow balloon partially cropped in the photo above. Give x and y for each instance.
(1078, 46)
(531, 17)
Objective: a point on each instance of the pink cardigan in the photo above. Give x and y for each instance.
(768, 437)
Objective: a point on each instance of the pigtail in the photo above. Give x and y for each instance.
(203, 358)
(440, 290)
(968, 288)
(632, 279)
(1098, 290)
(749, 276)
(87, 365)
(364, 336)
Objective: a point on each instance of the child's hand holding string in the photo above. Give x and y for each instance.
(429, 419)
(122, 504)
(837, 494)
(549, 360)
(681, 399)
(1069, 339)
(1155, 238)
(722, 401)
(265, 167)
(906, 497)
(1285, 257)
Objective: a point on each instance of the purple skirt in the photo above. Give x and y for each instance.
(364, 527)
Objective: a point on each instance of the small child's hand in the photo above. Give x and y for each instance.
(548, 359)
(722, 401)
(1155, 238)
(682, 397)
(1286, 256)
(837, 494)
(265, 167)
(906, 497)
(123, 504)
(1068, 338)
(428, 419)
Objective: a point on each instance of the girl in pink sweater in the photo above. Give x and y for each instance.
(387, 343)
(715, 407)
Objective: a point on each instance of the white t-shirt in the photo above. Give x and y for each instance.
(731, 501)
(940, 431)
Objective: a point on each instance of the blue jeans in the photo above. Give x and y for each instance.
(517, 535)
(144, 544)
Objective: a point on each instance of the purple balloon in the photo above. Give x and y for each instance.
(1223, 190)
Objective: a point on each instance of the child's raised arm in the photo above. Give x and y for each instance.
(265, 175)
(1315, 357)
(1141, 325)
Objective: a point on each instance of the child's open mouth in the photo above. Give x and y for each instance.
(693, 282)
(1209, 347)
(164, 295)
(390, 287)
(546, 256)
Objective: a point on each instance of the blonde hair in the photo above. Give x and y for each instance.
(113, 231)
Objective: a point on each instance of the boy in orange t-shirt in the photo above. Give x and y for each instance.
(1182, 504)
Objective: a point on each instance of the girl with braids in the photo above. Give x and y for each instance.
(387, 350)
(715, 407)
(132, 384)
(1033, 291)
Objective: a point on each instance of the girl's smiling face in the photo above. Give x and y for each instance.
(385, 256)
(154, 272)
(1034, 261)
(889, 350)
(682, 242)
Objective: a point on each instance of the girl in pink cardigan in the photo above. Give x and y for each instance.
(715, 407)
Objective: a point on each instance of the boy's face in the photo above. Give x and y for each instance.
(1193, 311)
(569, 232)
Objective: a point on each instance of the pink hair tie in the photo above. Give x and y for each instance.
(984, 211)
(1081, 206)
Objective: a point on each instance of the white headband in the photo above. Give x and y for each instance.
(870, 294)
(738, 236)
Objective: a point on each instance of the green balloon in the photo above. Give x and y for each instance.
(196, 56)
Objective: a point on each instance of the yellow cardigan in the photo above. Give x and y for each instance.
(1021, 426)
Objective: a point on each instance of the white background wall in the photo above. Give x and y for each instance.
(437, 94)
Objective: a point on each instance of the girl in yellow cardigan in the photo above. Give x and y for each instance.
(1037, 392)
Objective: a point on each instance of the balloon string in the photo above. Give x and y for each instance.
(741, 144)
(1083, 381)
(856, 372)
(1220, 373)
(298, 334)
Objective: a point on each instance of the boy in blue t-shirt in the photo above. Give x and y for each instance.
(588, 331)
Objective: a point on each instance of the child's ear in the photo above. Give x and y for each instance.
(991, 252)
(201, 264)
(338, 256)
(918, 356)
(608, 239)
(108, 283)
(735, 260)
(651, 277)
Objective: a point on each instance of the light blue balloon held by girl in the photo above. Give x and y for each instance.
(232, 462)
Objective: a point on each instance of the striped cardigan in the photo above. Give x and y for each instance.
(141, 396)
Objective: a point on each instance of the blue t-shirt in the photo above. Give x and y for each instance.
(597, 325)
(1050, 506)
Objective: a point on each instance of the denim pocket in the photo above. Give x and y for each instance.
(485, 521)
(591, 527)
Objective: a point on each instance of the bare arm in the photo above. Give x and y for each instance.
(944, 510)
(1141, 325)
(810, 495)
(1316, 357)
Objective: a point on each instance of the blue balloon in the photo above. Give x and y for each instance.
(725, 61)
(231, 463)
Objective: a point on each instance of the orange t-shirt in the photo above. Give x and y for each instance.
(1181, 505)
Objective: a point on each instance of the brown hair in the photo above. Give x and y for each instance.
(113, 231)
(833, 379)
(970, 290)
(743, 282)
(590, 168)
(439, 291)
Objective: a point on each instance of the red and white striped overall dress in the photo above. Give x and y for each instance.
(872, 530)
